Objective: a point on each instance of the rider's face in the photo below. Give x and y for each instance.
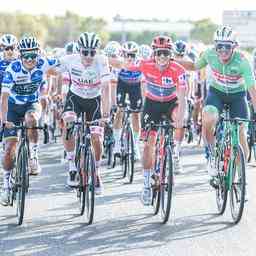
(87, 56)
(9, 52)
(29, 59)
(162, 56)
(224, 51)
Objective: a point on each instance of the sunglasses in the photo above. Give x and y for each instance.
(223, 47)
(7, 48)
(86, 53)
(130, 55)
(166, 53)
(29, 56)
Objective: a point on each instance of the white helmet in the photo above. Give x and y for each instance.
(113, 48)
(225, 34)
(89, 40)
(28, 43)
(8, 40)
(130, 47)
(145, 51)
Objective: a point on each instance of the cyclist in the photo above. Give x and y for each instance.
(145, 52)
(89, 91)
(8, 43)
(20, 92)
(164, 95)
(230, 77)
(129, 82)
(113, 51)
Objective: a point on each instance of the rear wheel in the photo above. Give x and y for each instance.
(129, 156)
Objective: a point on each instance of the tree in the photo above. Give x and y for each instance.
(203, 31)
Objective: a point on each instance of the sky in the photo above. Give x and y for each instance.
(161, 9)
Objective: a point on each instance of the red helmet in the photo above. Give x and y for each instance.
(161, 42)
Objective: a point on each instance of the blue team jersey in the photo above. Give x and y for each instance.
(24, 85)
(129, 76)
(3, 65)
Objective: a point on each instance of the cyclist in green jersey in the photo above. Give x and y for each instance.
(230, 77)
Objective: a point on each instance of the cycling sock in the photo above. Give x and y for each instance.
(72, 166)
(136, 136)
(97, 165)
(6, 176)
(117, 135)
(33, 149)
(70, 155)
(146, 174)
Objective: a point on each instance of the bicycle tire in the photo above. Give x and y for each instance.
(22, 172)
(233, 191)
(167, 185)
(80, 190)
(110, 155)
(129, 156)
(90, 172)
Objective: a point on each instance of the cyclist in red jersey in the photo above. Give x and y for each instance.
(164, 95)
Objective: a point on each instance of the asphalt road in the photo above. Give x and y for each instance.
(122, 226)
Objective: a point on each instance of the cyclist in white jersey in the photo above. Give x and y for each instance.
(89, 92)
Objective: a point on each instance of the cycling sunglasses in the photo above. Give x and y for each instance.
(223, 47)
(7, 48)
(86, 53)
(29, 55)
(160, 52)
(130, 55)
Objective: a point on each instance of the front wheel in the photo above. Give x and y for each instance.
(166, 185)
(237, 190)
(21, 183)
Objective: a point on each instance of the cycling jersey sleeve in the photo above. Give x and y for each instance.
(48, 63)
(181, 78)
(202, 61)
(105, 75)
(8, 81)
(247, 74)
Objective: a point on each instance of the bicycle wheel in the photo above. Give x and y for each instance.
(250, 141)
(110, 155)
(90, 174)
(80, 190)
(129, 156)
(166, 185)
(221, 186)
(237, 191)
(22, 183)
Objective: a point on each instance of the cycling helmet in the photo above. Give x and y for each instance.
(71, 47)
(192, 54)
(112, 48)
(161, 42)
(89, 40)
(180, 47)
(8, 40)
(28, 43)
(225, 34)
(130, 47)
(145, 51)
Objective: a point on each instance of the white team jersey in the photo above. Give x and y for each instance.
(86, 82)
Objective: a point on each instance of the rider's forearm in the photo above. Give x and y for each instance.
(252, 92)
(4, 106)
(106, 99)
(188, 65)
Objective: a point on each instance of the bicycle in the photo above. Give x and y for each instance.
(86, 166)
(19, 177)
(251, 136)
(127, 146)
(162, 185)
(230, 164)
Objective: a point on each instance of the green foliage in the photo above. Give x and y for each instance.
(54, 31)
(203, 31)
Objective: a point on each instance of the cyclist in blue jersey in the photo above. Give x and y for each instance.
(20, 92)
(8, 44)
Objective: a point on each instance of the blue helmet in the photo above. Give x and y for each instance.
(180, 47)
(71, 47)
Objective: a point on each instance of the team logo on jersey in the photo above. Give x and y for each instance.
(40, 63)
(234, 70)
(37, 75)
(167, 81)
(16, 66)
(88, 77)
